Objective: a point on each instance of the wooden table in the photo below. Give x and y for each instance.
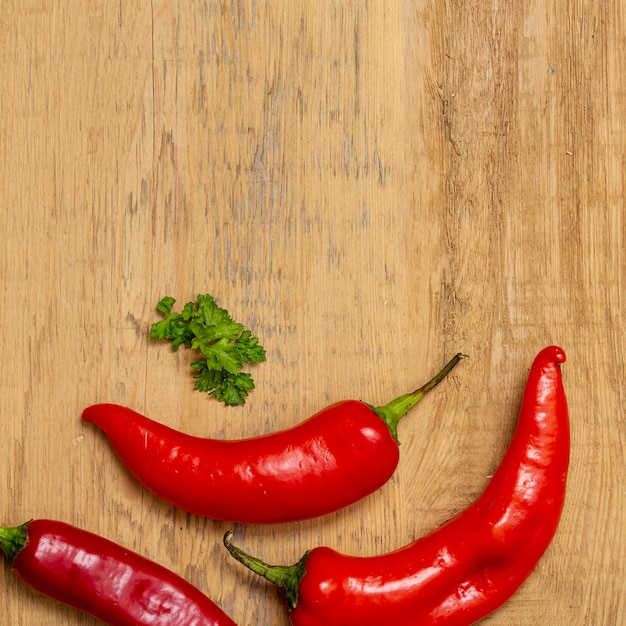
(370, 187)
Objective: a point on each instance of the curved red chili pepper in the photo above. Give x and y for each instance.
(469, 566)
(103, 579)
(325, 463)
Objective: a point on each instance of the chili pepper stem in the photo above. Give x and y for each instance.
(395, 410)
(286, 577)
(12, 540)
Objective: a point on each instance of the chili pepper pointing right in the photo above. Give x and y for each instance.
(471, 565)
(340, 455)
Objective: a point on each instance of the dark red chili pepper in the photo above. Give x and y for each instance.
(104, 579)
(469, 566)
(325, 463)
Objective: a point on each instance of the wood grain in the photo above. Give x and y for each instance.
(371, 187)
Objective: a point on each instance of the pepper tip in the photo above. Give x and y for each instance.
(559, 354)
(86, 415)
(554, 353)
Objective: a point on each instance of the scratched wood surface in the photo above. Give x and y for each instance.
(369, 186)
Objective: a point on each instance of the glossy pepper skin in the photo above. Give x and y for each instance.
(471, 565)
(325, 463)
(104, 579)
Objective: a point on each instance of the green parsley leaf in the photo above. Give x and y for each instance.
(226, 347)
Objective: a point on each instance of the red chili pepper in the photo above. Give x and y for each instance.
(468, 567)
(327, 462)
(104, 579)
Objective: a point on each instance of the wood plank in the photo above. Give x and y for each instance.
(371, 187)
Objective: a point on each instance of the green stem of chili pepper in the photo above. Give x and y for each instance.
(395, 410)
(12, 540)
(286, 577)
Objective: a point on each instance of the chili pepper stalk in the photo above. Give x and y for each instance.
(12, 540)
(392, 412)
(287, 578)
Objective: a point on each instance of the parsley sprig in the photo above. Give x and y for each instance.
(225, 345)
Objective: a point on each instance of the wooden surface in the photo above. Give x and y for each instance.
(371, 187)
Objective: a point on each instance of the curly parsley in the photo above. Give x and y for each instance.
(225, 345)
